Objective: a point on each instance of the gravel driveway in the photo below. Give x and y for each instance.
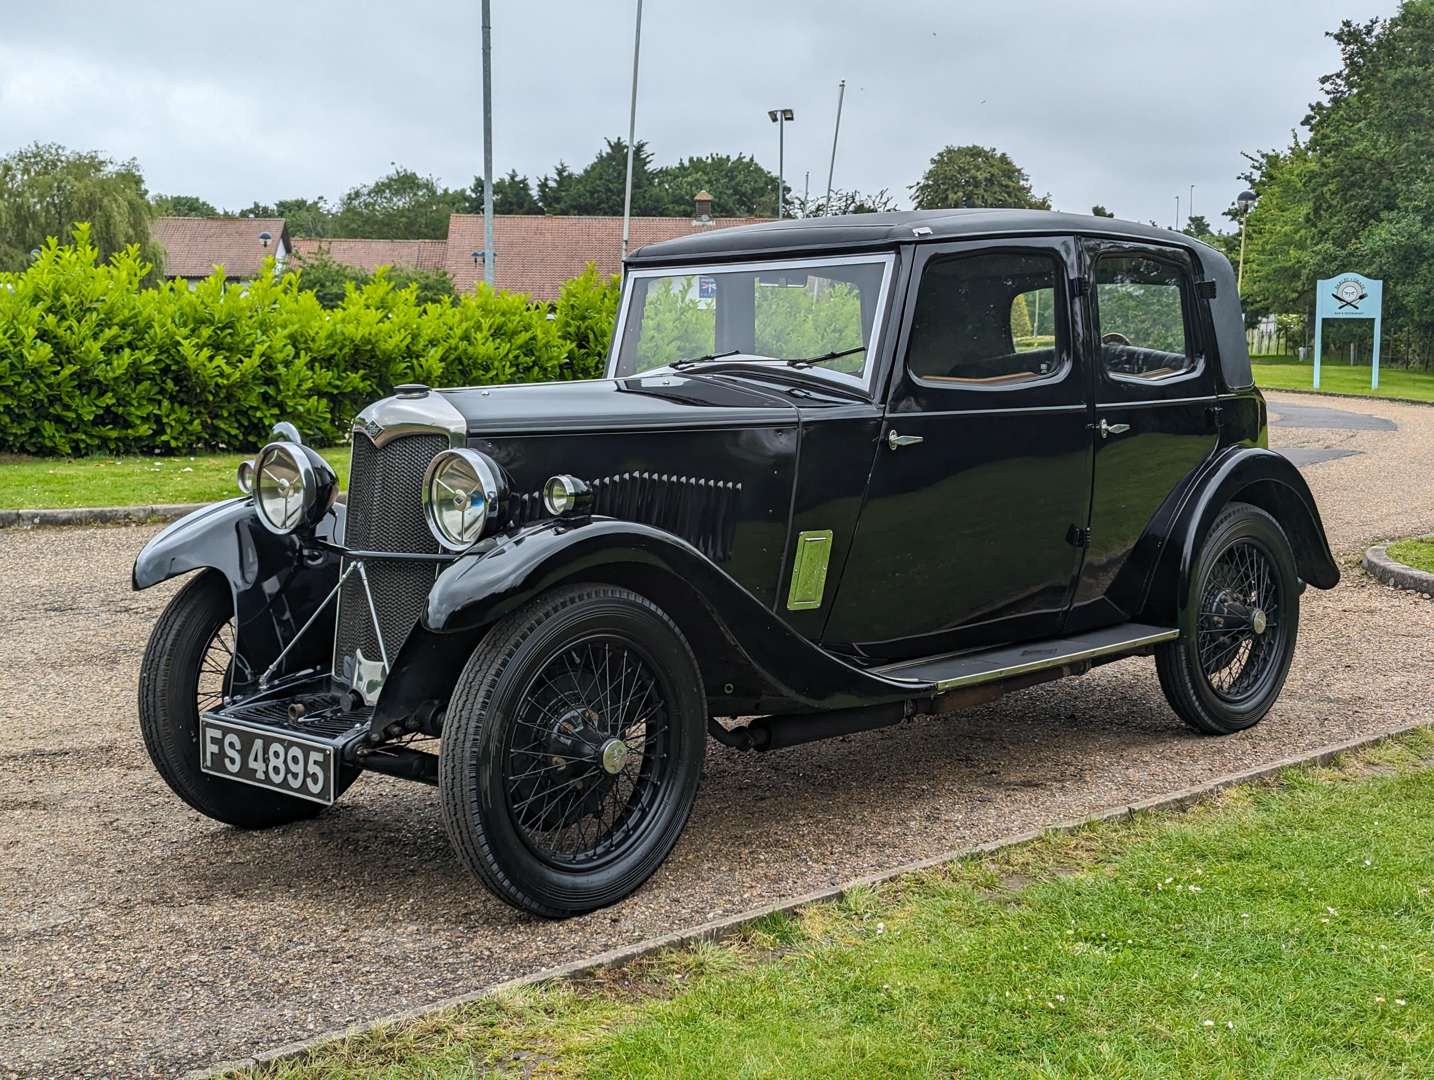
(138, 938)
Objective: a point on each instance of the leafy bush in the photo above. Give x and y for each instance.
(91, 362)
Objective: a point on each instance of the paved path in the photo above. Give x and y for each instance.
(137, 937)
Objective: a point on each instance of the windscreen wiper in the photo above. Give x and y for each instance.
(678, 365)
(808, 361)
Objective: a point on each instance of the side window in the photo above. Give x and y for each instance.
(1143, 317)
(987, 319)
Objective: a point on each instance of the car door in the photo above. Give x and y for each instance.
(980, 487)
(1155, 413)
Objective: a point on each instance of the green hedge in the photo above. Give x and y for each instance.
(93, 362)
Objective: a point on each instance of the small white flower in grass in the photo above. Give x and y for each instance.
(881, 928)
(1325, 921)
(1244, 914)
(1400, 1001)
(1331, 911)
(1379, 999)
(1230, 1024)
(1208, 1023)
(1195, 888)
(1060, 997)
(1368, 862)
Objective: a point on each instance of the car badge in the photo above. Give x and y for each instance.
(372, 428)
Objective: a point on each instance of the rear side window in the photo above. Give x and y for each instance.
(989, 319)
(1143, 317)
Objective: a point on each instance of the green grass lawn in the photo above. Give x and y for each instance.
(1283, 929)
(1418, 553)
(1335, 376)
(59, 483)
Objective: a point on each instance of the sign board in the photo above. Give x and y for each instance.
(1348, 296)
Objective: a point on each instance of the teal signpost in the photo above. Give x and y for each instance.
(1348, 296)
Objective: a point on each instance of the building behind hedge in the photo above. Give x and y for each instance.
(533, 253)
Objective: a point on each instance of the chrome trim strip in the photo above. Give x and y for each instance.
(1057, 661)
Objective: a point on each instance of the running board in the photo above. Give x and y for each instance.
(991, 665)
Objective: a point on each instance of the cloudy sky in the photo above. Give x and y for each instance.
(1121, 102)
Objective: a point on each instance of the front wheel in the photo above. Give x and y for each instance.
(572, 749)
(186, 670)
(1237, 639)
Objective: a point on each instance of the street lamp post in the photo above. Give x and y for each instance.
(1246, 202)
(780, 118)
(631, 132)
(487, 33)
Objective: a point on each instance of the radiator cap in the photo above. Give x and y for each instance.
(410, 390)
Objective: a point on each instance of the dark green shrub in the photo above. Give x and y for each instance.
(92, 362)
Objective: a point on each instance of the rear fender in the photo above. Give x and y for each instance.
(1240, 474)
(724, 622)
(277, 582)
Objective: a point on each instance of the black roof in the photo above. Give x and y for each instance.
(884, 230)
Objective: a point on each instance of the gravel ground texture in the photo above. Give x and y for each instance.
(138, 938)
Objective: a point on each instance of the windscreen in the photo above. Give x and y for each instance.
(825, 311)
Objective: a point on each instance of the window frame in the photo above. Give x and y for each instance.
(1060, 288)
(871, 368)
(1190, 314)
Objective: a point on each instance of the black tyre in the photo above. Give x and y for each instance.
(185, 670)
(572, 749)
(1229, 664)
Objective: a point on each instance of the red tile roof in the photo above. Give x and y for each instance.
(195, 246)
(535, 253)
(371, 254)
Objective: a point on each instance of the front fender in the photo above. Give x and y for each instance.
(481, 588)
(277, 582)
(1245, 474)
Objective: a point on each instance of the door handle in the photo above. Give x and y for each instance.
(896, 442)
(1108, 429)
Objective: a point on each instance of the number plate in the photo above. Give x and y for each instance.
(289, 764)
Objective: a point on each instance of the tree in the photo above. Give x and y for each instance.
(401, 205)
(512, 194)
(1199, 227)
(306, 217)
(1100, 211)
(555, 193)
(182, 206)
(845, 202)
(329, 280)
(45, 190)
(975, 176)
(738, 185)
(599, 188)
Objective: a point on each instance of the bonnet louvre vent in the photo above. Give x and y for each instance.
(702, 512)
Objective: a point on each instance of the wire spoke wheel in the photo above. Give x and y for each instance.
(1239, 631)
(586, 754)
(216, 663)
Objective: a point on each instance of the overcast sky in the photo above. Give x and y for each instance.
(1121, 102)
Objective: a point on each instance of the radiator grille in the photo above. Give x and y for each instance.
(385, 513)
(702, 512)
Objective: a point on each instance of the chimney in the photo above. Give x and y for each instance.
(702, 203)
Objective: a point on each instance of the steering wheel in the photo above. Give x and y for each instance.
(1114, 339)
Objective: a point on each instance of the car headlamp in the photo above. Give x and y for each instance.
(462, 491)
(293, 486)
(565, 495)
(244, 477)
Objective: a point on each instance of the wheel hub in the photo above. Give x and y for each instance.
(1258, 621)
(614, 756)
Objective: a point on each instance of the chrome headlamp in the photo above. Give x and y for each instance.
(293, 486)
(462, 491)
(565, 495)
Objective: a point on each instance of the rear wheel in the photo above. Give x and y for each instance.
(185, 671)
(1225, 671)
(572, 749)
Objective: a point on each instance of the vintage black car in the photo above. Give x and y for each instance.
(841, 472)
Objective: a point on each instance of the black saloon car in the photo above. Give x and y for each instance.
(841, 472)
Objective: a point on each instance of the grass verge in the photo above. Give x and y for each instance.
(1288, 373)
(28, 483)
(1417, 552)
(1281, 929)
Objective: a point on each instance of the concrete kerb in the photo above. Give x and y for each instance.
(96, 515)
(731, 924)
(1378, 565)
